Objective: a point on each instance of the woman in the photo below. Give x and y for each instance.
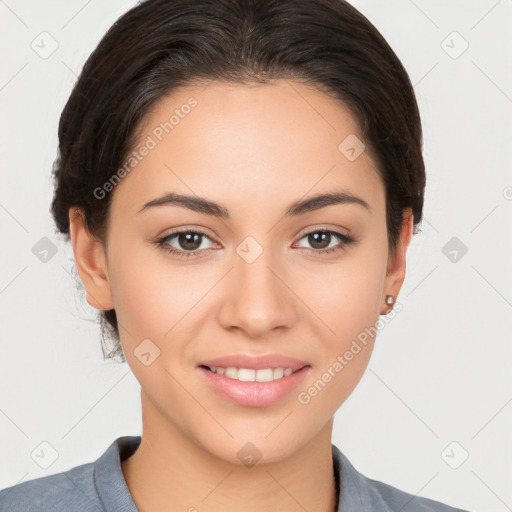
(240, 181)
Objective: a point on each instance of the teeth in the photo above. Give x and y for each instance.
(250, 375)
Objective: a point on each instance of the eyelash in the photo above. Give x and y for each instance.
(345, 241)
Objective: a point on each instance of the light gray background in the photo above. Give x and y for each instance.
(441, 369)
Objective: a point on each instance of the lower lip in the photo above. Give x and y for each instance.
(254, 394)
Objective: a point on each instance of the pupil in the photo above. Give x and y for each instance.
(187, 240)
(322, 235)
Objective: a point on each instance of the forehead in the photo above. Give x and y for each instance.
(270, 143)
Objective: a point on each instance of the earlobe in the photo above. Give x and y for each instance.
(395, 275)
(90, 262)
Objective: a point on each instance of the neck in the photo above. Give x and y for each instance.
(170, 472)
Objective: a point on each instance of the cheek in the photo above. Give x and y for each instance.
(154, 297)
(143, 290)
(346, 295)
(151, 299)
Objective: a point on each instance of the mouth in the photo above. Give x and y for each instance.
(253, 388)
(253, 374)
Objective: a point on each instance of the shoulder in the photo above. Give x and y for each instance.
(92, 487)
(68, 490)
(396, 499)
(359, 492)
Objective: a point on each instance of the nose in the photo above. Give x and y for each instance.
(258, 296)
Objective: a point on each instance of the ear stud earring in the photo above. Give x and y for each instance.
(390, 300)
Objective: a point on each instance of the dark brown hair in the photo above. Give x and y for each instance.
(160, 45)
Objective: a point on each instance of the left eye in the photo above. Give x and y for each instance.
(191, 241)
(319, 237)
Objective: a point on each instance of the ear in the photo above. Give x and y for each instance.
(90, 262)
(395, 274)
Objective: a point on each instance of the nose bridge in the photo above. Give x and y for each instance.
(254, 270)
(258, 299)
(256, 275)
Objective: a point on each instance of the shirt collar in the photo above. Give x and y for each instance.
(356, 489)
(108, 475)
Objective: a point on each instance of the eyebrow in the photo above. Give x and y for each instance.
(202, 205)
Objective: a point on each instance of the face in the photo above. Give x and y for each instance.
(259, 279)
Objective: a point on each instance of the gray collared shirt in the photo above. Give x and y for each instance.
(100, 486)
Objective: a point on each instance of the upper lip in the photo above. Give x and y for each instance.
(256, 362)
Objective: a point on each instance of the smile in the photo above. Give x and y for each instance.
(252, 375)
(242, 387)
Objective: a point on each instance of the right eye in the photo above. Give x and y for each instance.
(190, 240)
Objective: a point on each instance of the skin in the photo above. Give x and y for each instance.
(255, 150)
